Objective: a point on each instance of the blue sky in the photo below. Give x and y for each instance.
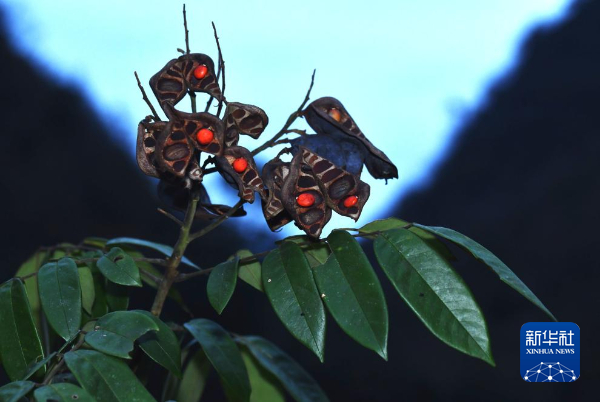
(406, 70)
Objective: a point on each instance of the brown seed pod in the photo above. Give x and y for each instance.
(171, 83)
(191, 124)
(173, 150)
(274, 174)
(148, 133)
(238, 168)
(345, 193)
(303, 199)
(328, 116)
(243, 119)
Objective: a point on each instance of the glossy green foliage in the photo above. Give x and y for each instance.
(195, 375)
(60, 294)
(221, 284)
(30, 267)
(62, 392)
(296, 381)
(161, 248)
(106, 378)
(224, 356)
(162, 346)
(434, 291)
(115, 333)
(353, 294)
(250, 272)
(20, 345)
(289, 285)
(15, 391)
(264, 385)
(484, 255)
(118, 267)
(88, 291)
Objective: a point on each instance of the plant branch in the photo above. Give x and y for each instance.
(58, 366)
(187, 33)
(217, 222)
(289, 121)
(220, 70)
(145, 97)
(165, 283)
(170, 216)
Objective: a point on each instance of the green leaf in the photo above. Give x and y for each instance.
(353, 294)
(194, 378)
(100, 306)
(221, 284)
(60, 294)
(250, 272)
(98, 242)
(30, 266)
(20, 345)
(119, 268)
(62, 392)
(34, 368)
(88, 291)
(434, 291)
(395, 223)
(117, 296)
(106, 378)
(316, 252)
(14, 391)
(290, 287)
(115, 333)
(264, 385)
(223, 355)
(162, 346)
(292, 376)
(484, 255)
(161, 248)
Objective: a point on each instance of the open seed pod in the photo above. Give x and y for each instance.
(303, 199)
(243, 119)
(195, 70)
(148, 133)
(327, 116)
(175, 196)
(274, 174)
(238, 168)
(203, 130)
(345, 193)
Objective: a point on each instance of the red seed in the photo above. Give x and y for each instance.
(305, 200)
(200, 71)
(335, 114)
(350, 201)
(205, 136)
(240, 164)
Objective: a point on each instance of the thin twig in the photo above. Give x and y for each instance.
(289, 121)
(170, 216)
(61, 363)
(145, 97)
(217, 222)
(187, 33)
(220, 70)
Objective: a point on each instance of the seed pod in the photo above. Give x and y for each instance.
(345, 193)
(247, 181)
(171, 83)
(146, 146)
(301, 180)
(327, 116)
(274, 174)
(243, 119)
(192, 123)
(173, 150)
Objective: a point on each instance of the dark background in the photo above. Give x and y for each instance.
(521, 178)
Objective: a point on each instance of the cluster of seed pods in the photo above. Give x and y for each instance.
(170, 150)
(323, 175)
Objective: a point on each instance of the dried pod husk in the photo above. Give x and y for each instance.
(171, 83)
(344, 192)
(147, 136)
(192, 123)
(176, 196)
(173, 151)
(241, 118)
(274, 174)
(248, 180)
(301, 182)
(345, 153)
(329, 117)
